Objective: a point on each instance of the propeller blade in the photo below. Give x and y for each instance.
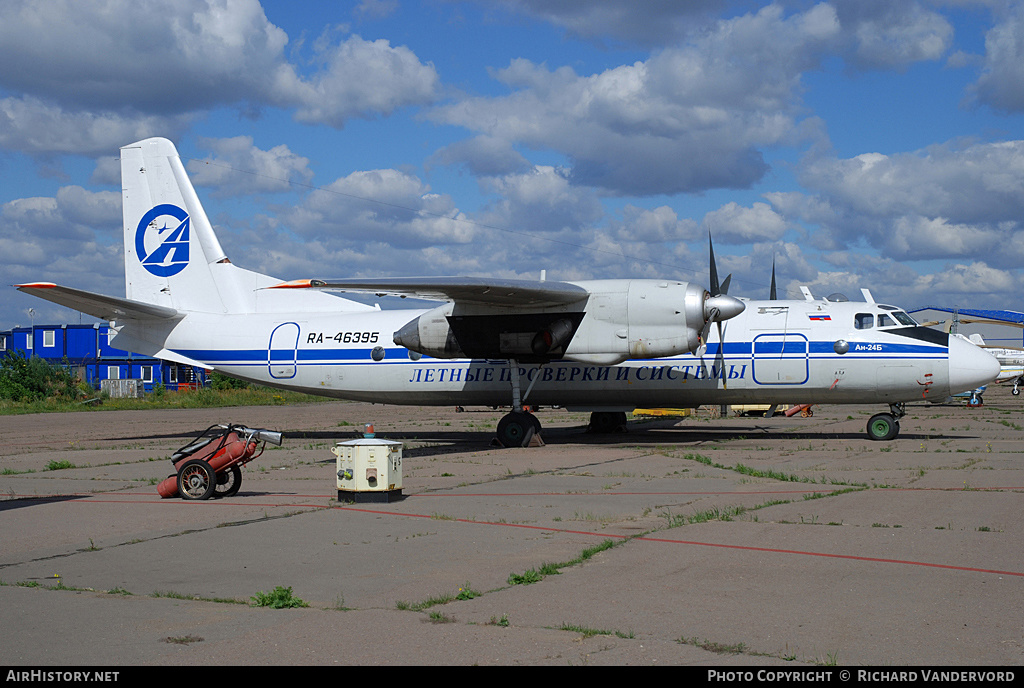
(718, 305)
(702, 347)
(715, 289)
(720, 359)
(772, 294)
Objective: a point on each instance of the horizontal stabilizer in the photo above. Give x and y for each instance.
(474, 290)
(98, 305)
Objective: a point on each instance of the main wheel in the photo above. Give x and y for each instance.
(196, 480)
(516, 429)
(883, 426)
(228, 482)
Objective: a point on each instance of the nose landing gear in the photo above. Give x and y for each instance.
(886, 426)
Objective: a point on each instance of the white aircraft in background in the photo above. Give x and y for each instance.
(1011, 361)
(606, 346)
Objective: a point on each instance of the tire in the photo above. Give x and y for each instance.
(228, 483)
(196, 480)
(883, 427)
(516, 429)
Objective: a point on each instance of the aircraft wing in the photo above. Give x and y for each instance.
(472, 290)
(98, 305)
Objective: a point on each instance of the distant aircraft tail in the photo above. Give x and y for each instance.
(172, 257)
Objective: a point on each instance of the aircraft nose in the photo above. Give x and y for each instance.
(970, 367)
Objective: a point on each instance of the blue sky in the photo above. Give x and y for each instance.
(859, 143)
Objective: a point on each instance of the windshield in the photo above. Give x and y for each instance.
(895, 318)
(904, 319)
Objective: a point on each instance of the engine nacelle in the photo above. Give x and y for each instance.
(430, 334)
(618, 320)
(639, 319)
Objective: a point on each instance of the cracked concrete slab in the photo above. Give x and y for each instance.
(700, 541)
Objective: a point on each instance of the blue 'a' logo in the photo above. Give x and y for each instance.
(170, 256)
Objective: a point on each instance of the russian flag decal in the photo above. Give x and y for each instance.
(820, 317)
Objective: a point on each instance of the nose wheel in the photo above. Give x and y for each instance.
(882, 427)
(886, 426)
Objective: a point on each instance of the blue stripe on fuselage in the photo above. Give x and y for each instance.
(736, 351)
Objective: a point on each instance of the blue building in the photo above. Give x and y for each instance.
(86, 350)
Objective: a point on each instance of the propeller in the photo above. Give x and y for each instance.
(718, 306)
(772, 293)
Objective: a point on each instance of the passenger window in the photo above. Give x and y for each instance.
(863, 321)
(885, 321)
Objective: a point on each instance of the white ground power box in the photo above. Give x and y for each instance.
(369, 470)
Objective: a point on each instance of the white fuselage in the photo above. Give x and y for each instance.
(775, 352)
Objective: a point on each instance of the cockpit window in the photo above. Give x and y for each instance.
(904, 319)
(885, 321)
(863, 321)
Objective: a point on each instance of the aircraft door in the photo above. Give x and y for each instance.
(283, 351)
(780, 359)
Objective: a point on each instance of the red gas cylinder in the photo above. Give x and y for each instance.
(233, 449)
(168, 487)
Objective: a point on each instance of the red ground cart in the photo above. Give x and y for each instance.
(210, 465)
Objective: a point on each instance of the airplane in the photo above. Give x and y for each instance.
(1011, 361)
(604, 346)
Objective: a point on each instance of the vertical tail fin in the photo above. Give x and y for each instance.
(169, 244)
(171, 255)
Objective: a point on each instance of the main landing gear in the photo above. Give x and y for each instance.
(519, 428)
(886, 426)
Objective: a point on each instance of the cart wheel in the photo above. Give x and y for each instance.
(228, 482)
(196, 480)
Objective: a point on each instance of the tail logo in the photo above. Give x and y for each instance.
(169, 254)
